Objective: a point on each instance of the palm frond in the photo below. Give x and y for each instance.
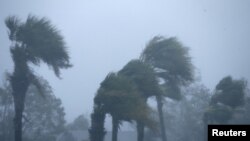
(13, 23)
(170, 55)
(41, 42)
(143, 76)
(45, 42)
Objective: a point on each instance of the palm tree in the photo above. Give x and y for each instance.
(229, 94)
(171, 62)
(142, 75)
(32, 42)
(118, 97)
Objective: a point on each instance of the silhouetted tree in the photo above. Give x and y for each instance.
(32, 42)
(142, 75)
(43, 116)
(172, 63)
(119, 98)
(229, 94)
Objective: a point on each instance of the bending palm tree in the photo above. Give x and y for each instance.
(32, 42)
(118, 96)
(171, 62)
(145, 80)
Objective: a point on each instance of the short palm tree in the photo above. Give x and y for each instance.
(142, 75)
(119, 98)
(32, 42)
(229, 94)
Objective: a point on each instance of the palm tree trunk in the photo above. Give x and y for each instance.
(97, 130)
(140, 126)
(114, 128)
(18, 120)
(19, 107)
(162, 124)
(19, 83)
(140, 131)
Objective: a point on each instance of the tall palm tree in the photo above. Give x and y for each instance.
(171, 63)
(32, 42)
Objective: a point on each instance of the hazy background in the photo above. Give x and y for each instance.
(103, 35)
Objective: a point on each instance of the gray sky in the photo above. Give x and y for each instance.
(103, 35)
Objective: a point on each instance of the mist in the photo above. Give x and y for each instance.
(103, 36)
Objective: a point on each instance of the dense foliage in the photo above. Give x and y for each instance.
(43, 117)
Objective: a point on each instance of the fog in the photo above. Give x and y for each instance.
(103, 35)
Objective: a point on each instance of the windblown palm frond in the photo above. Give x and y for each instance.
(40, 40)
(143, 76)
(13, 23)
(169, 55)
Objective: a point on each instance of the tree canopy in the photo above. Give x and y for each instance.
(229, 94)
(143, 76)
(37, 40)
(120, 98)
(170, 59)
